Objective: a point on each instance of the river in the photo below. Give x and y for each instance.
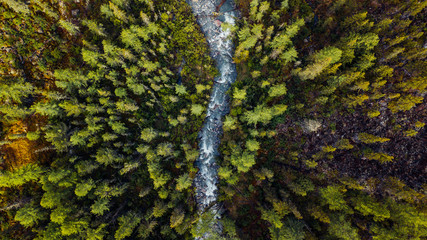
(221, 50)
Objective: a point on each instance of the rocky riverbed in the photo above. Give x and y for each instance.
(211, 14)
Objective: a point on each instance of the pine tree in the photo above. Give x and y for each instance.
(381, 157)
(94, 27)
(341, 228)
(272, 217)
(252, 145)
(98, 233)
(301, 186)
(277, 90)
(29, 215)
(369, 138)
(69, 27)
(27, 173)
(60, 214)
(183, 182)
(368, 206)
(15, 92)
(131, 39)
(292, 230)
(100, 206)
(404, 103)
(177, 217)
(239, 94)
(197, 109)
(344, 144)
(333, 197)
(313, 70)
(17, 6)
(82, 189)
(261, 114)
(72, 227)
(356, 100)
(117, 12)
(127, 224)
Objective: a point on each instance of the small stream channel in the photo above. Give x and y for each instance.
(221, 50)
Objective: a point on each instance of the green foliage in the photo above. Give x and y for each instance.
(277, 90)
(127, 224)
(328, 149)
(367, 206)
(301, 186)
(356, 100)
(419, 124)
(83, 188)
(369, 138)
(317, 213)
(243, 161)
(148, 134)
(197, 109)
(96, 234)
(28, 215)
(17, 6)
(71, 227)
(273, 218)
(59, 215)
(411, 133)
(252, 145)
(51, 199)
(224, 172)
(95, 109)
(344, 144)
(32, 136)
(313, 70)
(341, 228)
(404, 103)
(180, 89)
(253, 33)
(159, 177)
(292, 229)
(239, 94)
(101, 138)
(177, 218)
(100, 206)
(321, 60)
(27, 173)
(261, 114)
(94, 27)
(164, 149)
(229, 123)
(381, 157)
(333, 197)
(15, 91)
(183, 182)
(329, 54)
(373, 114)
(360, 65)
(69, 27)
(205, 226)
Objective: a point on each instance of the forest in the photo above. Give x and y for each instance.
(102, 102)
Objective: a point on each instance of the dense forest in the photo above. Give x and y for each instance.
(101, 103)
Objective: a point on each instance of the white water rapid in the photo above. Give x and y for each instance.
(210, 15)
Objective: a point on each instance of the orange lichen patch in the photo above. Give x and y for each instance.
(18, 153)
(21, 151)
